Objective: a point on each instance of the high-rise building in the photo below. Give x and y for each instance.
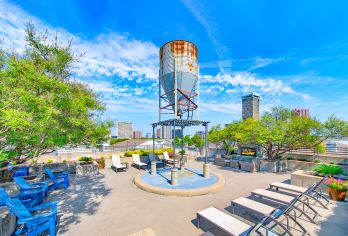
(201, 133)
(301, 112)
(137, 134)
(158, 133)
(125, 129)
(166, 132)
(251, 106)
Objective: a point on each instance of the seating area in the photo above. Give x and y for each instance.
(34, 213)
(248, 203)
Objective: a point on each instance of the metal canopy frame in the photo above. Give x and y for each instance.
(181, 123)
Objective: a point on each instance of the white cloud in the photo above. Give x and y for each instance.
(229, 108)
(107, 55)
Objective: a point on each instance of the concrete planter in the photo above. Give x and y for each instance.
(300, 165)
(7, 222)
(271, 166)
(235, 164)
(86, 169)
(306, 179)
(219, 161)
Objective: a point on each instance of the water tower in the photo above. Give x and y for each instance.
(178, 80)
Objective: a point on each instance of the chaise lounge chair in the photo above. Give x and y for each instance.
(33, 224)
(137, 163)
(23, 185)
(117, 165)
(233, 226)
(168, 160)
(310, 192)
(265, 210)
(57, 179)
(287, 200)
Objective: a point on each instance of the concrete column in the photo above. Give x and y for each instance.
(206, 170)
(174, 177)
(153, 168)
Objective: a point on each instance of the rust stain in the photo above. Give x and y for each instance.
(180, 48)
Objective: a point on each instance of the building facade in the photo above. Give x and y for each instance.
(301, 112)
(251, 106)
(166, 132)
(125, 130)
(137, 134)
(158, 133)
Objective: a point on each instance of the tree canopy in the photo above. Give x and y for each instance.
(42, 106)
(279, 131)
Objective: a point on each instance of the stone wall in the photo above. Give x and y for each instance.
(7, 222)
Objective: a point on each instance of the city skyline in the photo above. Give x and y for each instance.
(295, 59)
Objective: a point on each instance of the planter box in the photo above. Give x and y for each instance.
(235, 164)
(87, 169)
(271, 166)
(219, 161)
(247, 166)
(300, 165)
(7, 222)
(306, 179)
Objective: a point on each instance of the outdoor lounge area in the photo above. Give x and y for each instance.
(110, 204)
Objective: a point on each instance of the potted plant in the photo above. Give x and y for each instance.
(327, 170)
(85, 160)
(101, 162)
(337, 188)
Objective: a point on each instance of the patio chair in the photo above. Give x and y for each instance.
(287, 200)
(33, 224)
(21, 171)
(117, 165)
(168, 160)
(23, 185)
(137, 163)
(310, 192)
(265, 210)
(57, 179)
(29, 198)
(152, 158)
(233, 226)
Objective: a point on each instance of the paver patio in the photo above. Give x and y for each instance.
(110, 204)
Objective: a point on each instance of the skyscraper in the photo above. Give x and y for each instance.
(251, 106)
(137, 134)
(166, 132)
(125, 129)
(301, 112)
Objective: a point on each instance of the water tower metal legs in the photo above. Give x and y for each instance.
(174, 177)
(206, 165)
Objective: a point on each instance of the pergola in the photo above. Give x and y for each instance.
(182, 124)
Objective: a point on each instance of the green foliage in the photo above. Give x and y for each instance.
(316, 161)
(336, 184)
(117, 140)
(182, 152)
(65, 161)
(325, 169)
(147, 152)
(197, 141)
(188, 140)
(86, 159)
(227, 137)
(41, 106)
(49, 161)
(320, 148)
(13, 163)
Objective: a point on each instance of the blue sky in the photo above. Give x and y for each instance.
(293, 53)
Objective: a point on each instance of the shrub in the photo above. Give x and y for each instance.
(336, 183)
(85, 159)
(316, 161)
(13, 163)
(49, 161)
(117, 140)
(64, 161)
(329, 170)
(146, 152)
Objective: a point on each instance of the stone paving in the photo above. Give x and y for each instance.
(110, 204)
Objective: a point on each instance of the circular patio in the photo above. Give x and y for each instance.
(191, 182)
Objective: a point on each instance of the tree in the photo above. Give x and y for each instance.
(41, 106)
(188, 140)
(227, 137)
(197, 141)
(279, 131)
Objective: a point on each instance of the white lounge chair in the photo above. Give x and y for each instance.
(287, 200)
(167, 159)
(233, 226)
(264, 210)
(137, 163)
(117, 165)
(310, 192)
